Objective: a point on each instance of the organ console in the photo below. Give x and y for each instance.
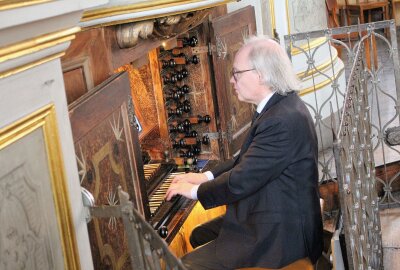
(188, 122)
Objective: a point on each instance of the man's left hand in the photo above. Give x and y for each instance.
(181, 188)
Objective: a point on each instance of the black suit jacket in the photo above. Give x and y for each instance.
(273, 215)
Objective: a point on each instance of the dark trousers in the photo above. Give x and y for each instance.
(203, 257)
(206, 232)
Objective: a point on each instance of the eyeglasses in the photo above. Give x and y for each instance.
(234, 73)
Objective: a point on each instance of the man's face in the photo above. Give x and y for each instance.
(244, 78)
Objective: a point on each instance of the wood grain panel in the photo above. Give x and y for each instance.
(108, 156)
(93, 46)
(204, 85)
(229, 31)
(75, 85)
(158, 94)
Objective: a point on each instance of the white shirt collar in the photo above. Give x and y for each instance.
(264, 102)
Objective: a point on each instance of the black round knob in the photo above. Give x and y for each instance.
(195, 59)
(173, 95)
(192, 41)
(165, 79)
(206, 140)
(182, 142)
(176, 95)
(189, 154)
(186, 123)
(181, 128)
(179, 111)
(196, 150)
(163, 231)
(173, 78)
(186, 108)
(180, 93)
(193, 134)
(165, 64)
(207, 119)
(172, 129)
(175, 144)
(185, 88)
(184, 73)
(179, 76)
(171, 63)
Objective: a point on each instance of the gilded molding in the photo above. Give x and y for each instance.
(287, 16)
(321, 85)
(45, 119)
(272, 13)
(30, 65)
(143, 7)
(10, 4)
(36, 44)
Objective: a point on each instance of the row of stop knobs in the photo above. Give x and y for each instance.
(185, 125)
(185, 139)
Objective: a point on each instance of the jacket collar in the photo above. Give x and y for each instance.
(272, 101)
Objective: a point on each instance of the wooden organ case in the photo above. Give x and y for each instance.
(142, 111)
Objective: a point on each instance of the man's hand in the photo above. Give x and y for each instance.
(181, 188)
(191, 178)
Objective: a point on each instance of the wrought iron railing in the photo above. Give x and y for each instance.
(147, 250)
(325, 83)
(355, 168)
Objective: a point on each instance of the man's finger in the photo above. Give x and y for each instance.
(178, 178)
(175, 180)
(170, 193)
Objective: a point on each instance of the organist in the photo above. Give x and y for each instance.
(273, 215)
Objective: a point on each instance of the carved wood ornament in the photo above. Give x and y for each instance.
(130, 34)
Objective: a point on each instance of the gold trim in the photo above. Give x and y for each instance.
(145, 6)
(308, 46)
(37, 44)
(319, 68)
(10, 4)
(272, 11)
(30, 65)
(319, 86)
(287, 16)
(45, 118)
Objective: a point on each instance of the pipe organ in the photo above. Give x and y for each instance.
(160, 106)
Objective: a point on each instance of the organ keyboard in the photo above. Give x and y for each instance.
(156, 199)
(158, 178)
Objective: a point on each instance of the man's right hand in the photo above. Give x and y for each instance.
(192, 178)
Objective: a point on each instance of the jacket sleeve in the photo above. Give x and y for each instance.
(265, 159)
(223, 167)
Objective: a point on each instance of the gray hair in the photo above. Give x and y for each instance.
(271, 61)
